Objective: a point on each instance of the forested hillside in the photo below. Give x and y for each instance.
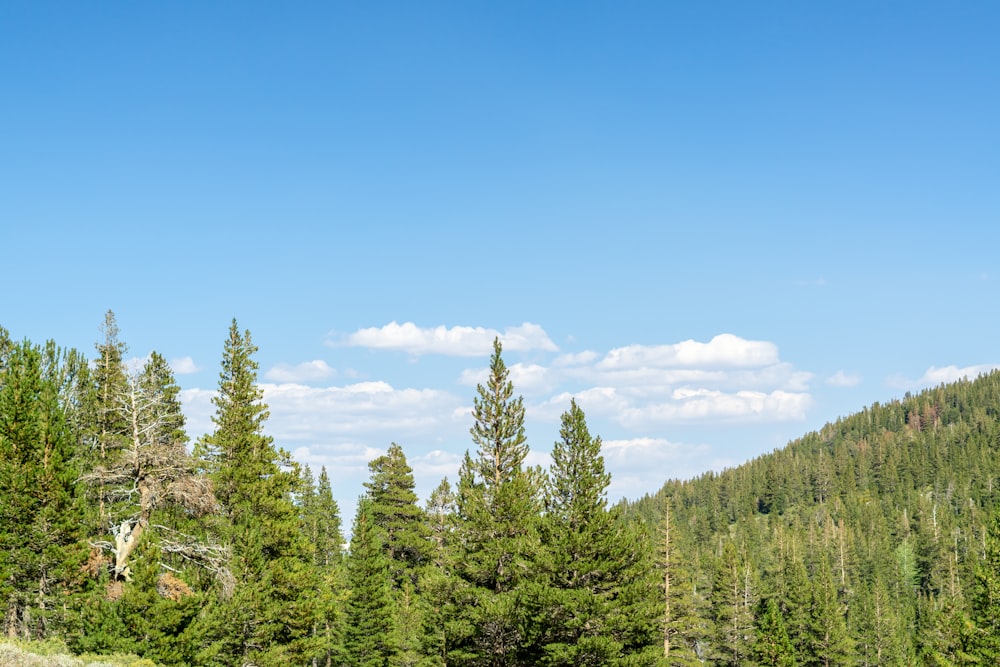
(872, 542)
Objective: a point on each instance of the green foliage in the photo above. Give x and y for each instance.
(496, 529)
(771, 645)
(370, 611)
(984, 609)
(270, 615)
(597, 598)
(393, 509)
(41, 541)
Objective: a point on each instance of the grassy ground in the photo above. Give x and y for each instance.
(54, 654)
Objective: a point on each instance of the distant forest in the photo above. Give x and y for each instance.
(875, 541)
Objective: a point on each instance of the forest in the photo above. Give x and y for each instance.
(874, 541)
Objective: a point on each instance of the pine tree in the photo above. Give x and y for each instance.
(496, 533)
(830, 642)
(321, 525)
(732, 606)
(771, 646)
(984, 607)
(369, 613)
(41, 539)
(393, 508)
(269, 616)
(683, 630)
(110, 424)
(590, 617)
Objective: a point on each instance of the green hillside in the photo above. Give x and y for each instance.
(867, 536)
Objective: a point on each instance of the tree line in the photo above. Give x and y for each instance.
(119, 535)
(870, 542)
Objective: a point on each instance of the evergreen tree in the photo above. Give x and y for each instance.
(439, 514)
(496, 529)
(321, 524)
(110, 423)
(269, 616)
(984, 606)
(683, 630)
(771, 645)
(41, 539)
(831, 644)
(393, 508)
(369, 614)
(589, 616)
(732, 606)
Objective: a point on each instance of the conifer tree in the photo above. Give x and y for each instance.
(830, 642)
(984, 607)
(592, 560)
(393, 508)
(496, 532)
(732, 606)
(41, 516)
(269, 616)
(683, 630)
(110, 422)
(370, 611)
(438, 513)
(771, 645)
(321, 523)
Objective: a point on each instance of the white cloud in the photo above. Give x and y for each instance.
(184, 366)
(577, 359)
(365, 409)
(309, 371)
(198, 411)
(527, 378)
(455, 341)
(935, 376)
(646, 463)
(723, 351)
(842, 379)
(690, 405)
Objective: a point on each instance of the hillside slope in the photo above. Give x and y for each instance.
(862, 539)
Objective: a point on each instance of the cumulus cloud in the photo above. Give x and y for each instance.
(455, 341)
(371, 409)
(527, 378)
(842, 379)
(309, 371)
(184, 366)
(693, 404)
(723, 351)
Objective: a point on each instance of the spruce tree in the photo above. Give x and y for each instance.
(269, 616)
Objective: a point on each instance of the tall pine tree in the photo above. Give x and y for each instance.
(496, 535)
(269, 617)
(598, 600)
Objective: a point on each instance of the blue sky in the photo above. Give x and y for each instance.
(718, 225)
